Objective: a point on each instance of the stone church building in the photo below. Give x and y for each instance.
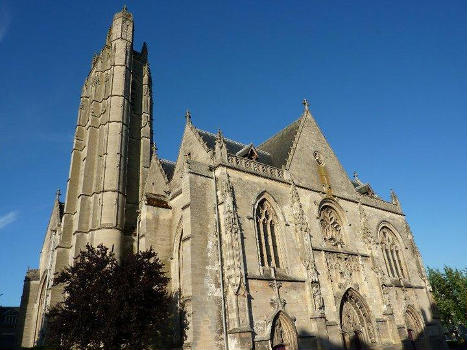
(268, 246)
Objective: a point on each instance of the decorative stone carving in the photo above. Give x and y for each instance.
(303, 236)
(255, 167)
(318, 157)
(232, 247)
(386, 299)
(277, 303)
(331, 226)
(356, 323)
(341, 268)
(365, 229)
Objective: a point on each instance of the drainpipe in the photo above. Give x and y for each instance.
(219, 248)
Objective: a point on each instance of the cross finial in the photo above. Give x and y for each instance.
(188, 114)
(306, 104)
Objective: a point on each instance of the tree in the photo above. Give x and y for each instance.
(111, 305)
(450, 293)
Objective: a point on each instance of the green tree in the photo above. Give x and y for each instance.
(111, 305)
(450, 294)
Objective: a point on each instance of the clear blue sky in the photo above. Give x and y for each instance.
(386, 81)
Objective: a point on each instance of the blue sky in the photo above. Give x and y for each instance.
(386, 81)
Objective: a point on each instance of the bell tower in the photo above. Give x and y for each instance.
(111, 148)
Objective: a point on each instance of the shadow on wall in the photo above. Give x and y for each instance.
(355, 342)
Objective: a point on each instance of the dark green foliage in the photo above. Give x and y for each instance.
(450, 293)
(112, 306)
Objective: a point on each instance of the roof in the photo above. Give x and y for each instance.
(279, 145)
(233, 147)
(169, 167)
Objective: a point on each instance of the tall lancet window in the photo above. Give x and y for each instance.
(392, 253)
(266, 225)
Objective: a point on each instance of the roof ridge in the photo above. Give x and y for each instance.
(281, 131)
(167, 161)
(238, 143)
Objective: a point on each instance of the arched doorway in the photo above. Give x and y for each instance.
(414, 325)
(356, 324)
(283, 333)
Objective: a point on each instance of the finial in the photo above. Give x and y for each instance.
(188, 115)
(124, 8)
(306, 104)
(394, 198)
(220, 135)
(154, 148)
(57, 194)
(355, 175)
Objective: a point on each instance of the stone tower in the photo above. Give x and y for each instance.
(112, 144)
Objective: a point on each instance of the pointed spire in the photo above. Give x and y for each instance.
(306, 105)
(220, 135)
(220, 150)
(394, 198)
(144, 50)
(188, 115)
(124, 8)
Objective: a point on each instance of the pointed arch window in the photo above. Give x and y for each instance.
(392, 253)
(266, 226)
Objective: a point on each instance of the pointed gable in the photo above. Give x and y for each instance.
(193, 147)
(312, 162)
(157, 180)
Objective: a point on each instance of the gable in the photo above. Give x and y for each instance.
(192, 147)
(156, 180)
(312, 161)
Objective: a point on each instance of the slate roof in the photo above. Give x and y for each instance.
(279, 145)
(233, 147)
(168, 167)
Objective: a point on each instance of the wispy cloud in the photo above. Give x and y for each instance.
(8, 218)
(5, 19)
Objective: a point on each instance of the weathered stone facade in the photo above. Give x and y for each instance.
(268, 247)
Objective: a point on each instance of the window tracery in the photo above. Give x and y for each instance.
(392, 253)
(331, 226)
(267, 226)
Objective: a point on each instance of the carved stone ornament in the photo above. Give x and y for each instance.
(356, 319)
(341, 268)
(331, 226)
(318, 157)
(232, 238)
(303, 236)
(364, 228)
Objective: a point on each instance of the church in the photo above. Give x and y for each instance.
(269, 246)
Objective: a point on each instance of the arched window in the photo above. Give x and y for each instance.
(266, 225)
(331, 225)
(391, 253)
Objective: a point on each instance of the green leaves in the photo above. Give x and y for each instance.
(450, 293)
